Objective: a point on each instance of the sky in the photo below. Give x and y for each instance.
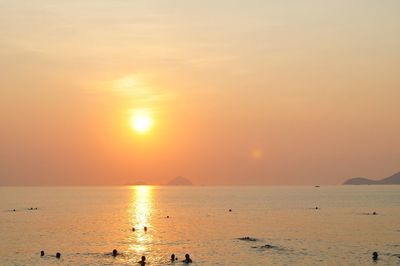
(254, 92)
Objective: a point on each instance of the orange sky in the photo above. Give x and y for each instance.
(239, 92)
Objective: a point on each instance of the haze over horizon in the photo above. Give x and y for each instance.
(220, 92)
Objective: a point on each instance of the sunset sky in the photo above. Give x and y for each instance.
(221, 92)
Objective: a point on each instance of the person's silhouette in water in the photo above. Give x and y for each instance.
(114, 253)
(142, 262)
(187, 259)
(173, 258)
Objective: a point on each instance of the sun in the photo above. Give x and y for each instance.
(141, 122)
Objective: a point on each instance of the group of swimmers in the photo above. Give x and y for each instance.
(187, 259)
(143, 259)
(58, 254)
(144, 229)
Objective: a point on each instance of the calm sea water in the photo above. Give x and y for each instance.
(86, 223)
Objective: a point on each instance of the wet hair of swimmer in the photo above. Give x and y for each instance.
(42, 253)
(173, 258)
(58, 255)
(375, 255)
(143, 258)
(145, 228)
(114, 252)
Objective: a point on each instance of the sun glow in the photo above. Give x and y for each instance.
(141, 211)
(141, 122)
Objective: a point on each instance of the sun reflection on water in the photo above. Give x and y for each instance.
(141, 208)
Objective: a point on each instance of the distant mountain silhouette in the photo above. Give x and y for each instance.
(391, 180)
(180, 181)
(359, 181)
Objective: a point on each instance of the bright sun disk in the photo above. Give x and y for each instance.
(141, 122)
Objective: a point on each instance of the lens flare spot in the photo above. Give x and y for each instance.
(256, 154)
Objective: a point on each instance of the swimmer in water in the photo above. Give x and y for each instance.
(173, 258)
(41, 253)
(145, 228)
(142, 262)
(187, 259)
(375, 255)
(133, 229)
(58, 255)
(114, 253)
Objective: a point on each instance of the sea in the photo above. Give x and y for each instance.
(215, 225)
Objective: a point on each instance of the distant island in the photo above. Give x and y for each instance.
(180, 181)
(391, 180)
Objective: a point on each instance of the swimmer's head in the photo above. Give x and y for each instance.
(375, 255)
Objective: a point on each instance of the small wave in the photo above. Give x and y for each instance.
(25, 209)
(368, 213)
(266, 246)
(247, 238)
(103, 254)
